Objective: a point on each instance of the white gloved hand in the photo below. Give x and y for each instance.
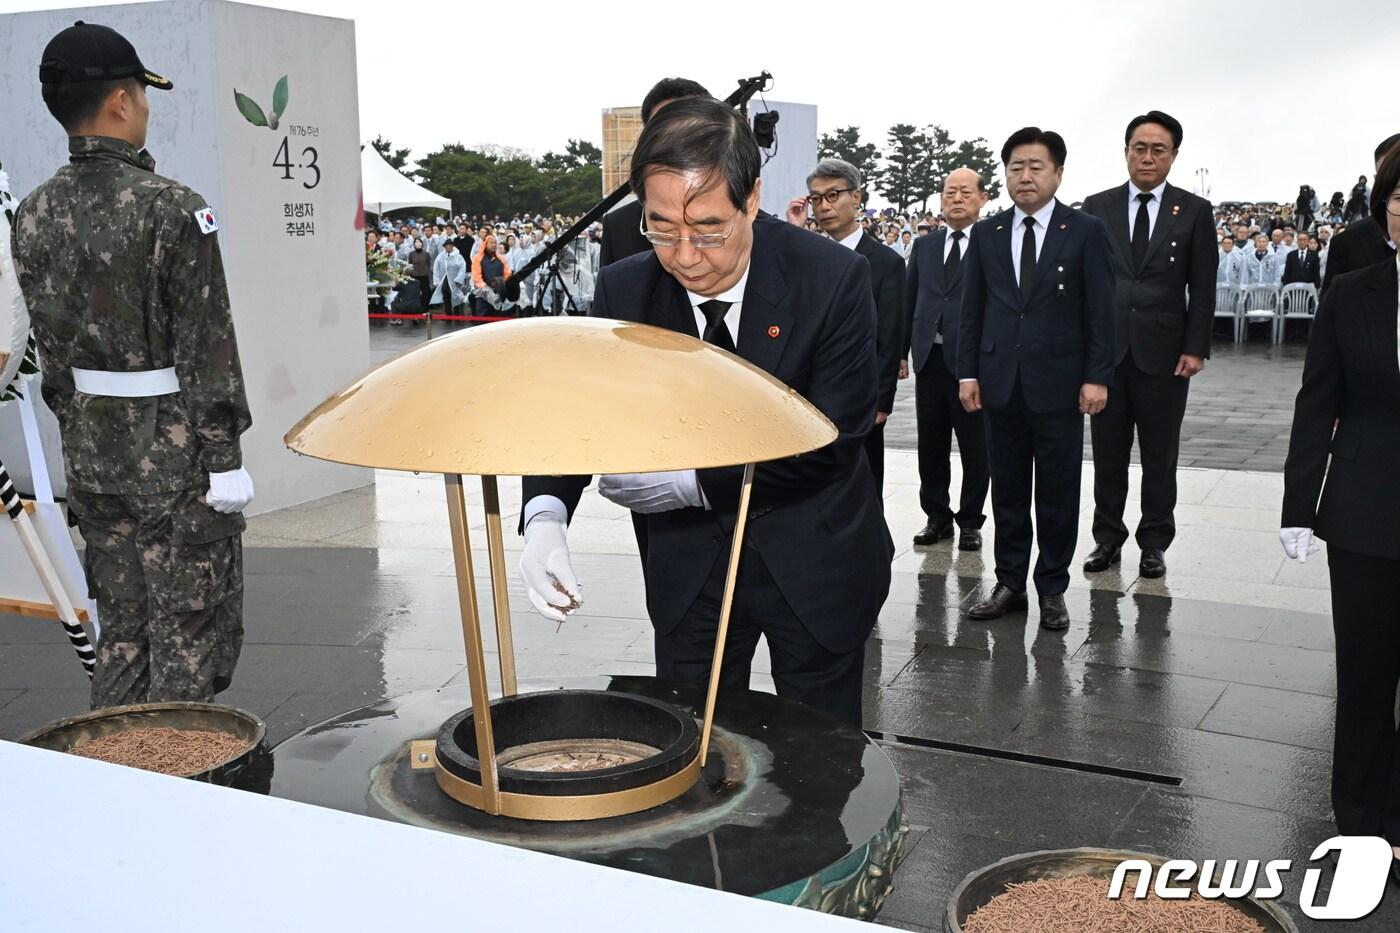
(653, 492)
(1297, 543)
(229, 492)
(545, 568)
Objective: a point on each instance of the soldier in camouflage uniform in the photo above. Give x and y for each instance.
(122, 272)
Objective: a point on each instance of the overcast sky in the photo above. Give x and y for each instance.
(1271, 94)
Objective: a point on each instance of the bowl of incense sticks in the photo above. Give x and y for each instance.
(200, 741)
(1067, 891)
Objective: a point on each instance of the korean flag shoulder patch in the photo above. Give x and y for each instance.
(205, 218)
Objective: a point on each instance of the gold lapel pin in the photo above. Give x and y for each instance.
(774, 331)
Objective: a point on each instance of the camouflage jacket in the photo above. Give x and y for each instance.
(119, 277)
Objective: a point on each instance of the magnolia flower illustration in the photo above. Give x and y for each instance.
(255, 115)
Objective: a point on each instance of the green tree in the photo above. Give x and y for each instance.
(844, 143)
(940, 159)
(464, 175)
(398, 158)
(573, 179)
(909, 175)
(978, 156)
(502, 180)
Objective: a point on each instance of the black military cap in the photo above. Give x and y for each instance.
(89, 52)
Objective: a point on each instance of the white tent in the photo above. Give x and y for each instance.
(387, 190)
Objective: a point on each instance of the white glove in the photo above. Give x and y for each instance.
(1297, 543)
(229, 492)
(653, 492)
(545, 568)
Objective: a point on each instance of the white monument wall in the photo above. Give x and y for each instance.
(297, 293)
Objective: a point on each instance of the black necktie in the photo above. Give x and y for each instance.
(1028, 257)
(716, 332)
(950, 265)
(1142, 230)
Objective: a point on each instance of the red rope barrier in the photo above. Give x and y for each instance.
(376, 316)
(468, 317)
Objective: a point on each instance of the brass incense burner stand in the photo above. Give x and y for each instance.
(609, 397)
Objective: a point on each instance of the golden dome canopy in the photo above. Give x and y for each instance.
(551, 396)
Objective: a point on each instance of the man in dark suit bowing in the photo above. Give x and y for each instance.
(1035, 348)
(835, 193)
(622, 235)
(816, 562)
(1364, 242)
(933, 295)
(1165, 258)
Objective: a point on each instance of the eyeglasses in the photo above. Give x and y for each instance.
(1142, 149)
(831, 196)
(698, 240)
(1392, 207)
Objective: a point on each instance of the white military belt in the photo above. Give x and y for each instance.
(143, 384)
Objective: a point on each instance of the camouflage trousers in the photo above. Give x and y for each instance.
(167, 573)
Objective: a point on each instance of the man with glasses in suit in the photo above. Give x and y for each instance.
(835, 195)
(1165, 259)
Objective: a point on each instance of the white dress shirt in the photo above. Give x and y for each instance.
(965, 242)
(1018, 233)
(1152, 206)
(734, 294)
(851, 241)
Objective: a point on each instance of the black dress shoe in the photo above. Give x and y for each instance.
(970, 540)
(1153, 563)
(1053, 614)
(932, 533)
(1003, 600)
(1102, 557)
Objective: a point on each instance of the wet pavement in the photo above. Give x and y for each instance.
(1189, 717)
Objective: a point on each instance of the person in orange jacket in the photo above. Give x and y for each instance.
(489, 271)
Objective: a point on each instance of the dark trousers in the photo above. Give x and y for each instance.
(802, 669)
(425, 290)
(940, 416)
(875, 453)
(1365, 766)
(1154, 406)
(1044, 450)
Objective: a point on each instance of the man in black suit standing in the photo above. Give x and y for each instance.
(835, 194)
(1364, 242)
(933, 294)
(1036, 347)
(816, 562)
(622, 235)
(1164, 247)
(1303, 265)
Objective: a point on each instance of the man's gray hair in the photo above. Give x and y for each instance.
(836, 168)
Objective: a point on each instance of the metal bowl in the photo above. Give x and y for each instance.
(986, 883)
(247, 770)
(634, 740)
